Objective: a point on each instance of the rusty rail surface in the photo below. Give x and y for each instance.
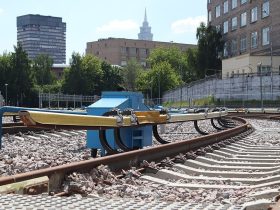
(130, 158)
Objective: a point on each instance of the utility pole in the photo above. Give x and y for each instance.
(6, 99)
(260, 65)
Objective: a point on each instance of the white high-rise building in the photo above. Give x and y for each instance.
(145, 30)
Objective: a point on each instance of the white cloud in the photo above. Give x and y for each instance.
(118, 25)
(187, 25)
(1, 11)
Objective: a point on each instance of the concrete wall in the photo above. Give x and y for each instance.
(248, 64)
(242, 87)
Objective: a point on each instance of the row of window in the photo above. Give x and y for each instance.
(243, 21)
(265, 9)
(232, 46)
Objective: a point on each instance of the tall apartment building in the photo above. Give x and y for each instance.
(118, 51)
(251, 30)
(42, 35)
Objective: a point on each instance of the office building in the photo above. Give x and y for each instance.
(118, 51)
(251, 30)
(42, 35)
(145, 30)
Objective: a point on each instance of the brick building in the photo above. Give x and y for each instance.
(251, 30)
(118, 51)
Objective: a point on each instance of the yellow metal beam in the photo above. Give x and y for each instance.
(33, 118)
(47, 119)
(151, 117)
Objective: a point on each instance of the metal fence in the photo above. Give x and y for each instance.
(65, 100)
(242, 90)
(1, 100)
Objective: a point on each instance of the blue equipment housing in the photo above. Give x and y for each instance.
(133, 137)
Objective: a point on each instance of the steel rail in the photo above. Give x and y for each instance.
(124, 160)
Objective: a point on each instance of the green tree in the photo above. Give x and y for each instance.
(5, 69)
(20, 78)
(73, 76)
(162, 77)
(130, 73)
(111, 77)
(84, 75)
(91, 75)
(191, 68)
(41, 68)
(210, 47)
(175, 57)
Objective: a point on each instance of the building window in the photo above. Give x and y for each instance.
(254, 14)
(234, 23)
(225, 6)
(243, 20)
(209, 16)
(243, 44)
(226, 50)
(254, 40)
(218, 11)
(243, 1)
(234, 46)
(265, 36)
(265, 9)
(209, 1)
(233, 4)
(225, 27)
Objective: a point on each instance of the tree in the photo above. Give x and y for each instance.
(5, 69)
(72, 76)
(191, 68)
(173, 55)
(111, 77)
(41, 68)
(161, 78)
(84, 75)
(210, 47)
(130, 73)
(20, 78)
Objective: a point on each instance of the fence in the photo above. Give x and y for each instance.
(1, 100)
(242, 89)
(64, 100)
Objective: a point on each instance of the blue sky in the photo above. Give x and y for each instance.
(89, 20)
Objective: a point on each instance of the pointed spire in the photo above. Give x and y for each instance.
(145, 30)
(145, 18)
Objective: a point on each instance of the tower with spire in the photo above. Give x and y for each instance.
(145, 30)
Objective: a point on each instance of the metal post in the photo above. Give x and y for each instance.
(81, 101)
(49, 100)
(58, 100)
(271, 67)
(6, 99)
(158, 89)
(260, 65)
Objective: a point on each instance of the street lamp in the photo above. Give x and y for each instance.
(260, 66)
(6, 99)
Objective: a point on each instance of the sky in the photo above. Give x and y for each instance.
(90, 20)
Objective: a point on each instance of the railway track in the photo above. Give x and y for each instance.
(193, 175)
